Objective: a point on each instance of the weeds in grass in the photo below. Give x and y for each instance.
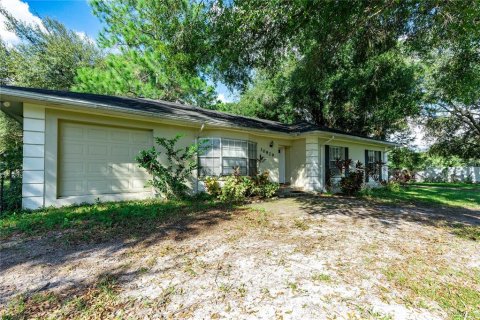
(369, 313)
(142, 270)
(166, 297)
(87, 303)
(242, 290)
(466, 231)
(433, 195)
(151, 262)
(301, 224)
(292, 285)
(456, 292)
(101, 221)
(257, 218)
(321, 277)
(225, 288)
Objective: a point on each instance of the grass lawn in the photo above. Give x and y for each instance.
(101, 219)
(462, 185)
(449, 194)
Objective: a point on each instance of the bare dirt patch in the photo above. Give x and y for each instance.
(310, 258)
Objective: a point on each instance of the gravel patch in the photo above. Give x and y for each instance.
(305, 258)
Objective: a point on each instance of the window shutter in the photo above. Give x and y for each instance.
(347, 169)
(327, 164)
(366, 165)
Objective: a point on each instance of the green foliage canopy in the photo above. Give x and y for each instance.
(358, 65)
(159, 51)
(48, 56)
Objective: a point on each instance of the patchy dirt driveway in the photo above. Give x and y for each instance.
(294, 258)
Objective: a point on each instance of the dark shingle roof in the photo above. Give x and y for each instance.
(186, 112)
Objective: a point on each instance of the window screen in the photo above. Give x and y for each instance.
(374, 156)
(221, 156)
(252, 159)
(336, 153)
(209, 158)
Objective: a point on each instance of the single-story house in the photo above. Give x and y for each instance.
(81, 147)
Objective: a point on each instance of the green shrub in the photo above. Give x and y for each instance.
(170, 179)
(212, 186)
(402, 176)
(393, 186)
(235, 188)
(268, 190)
(12, 194)
(262, 186)
(352, 183)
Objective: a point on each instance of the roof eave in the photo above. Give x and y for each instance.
(52, 100)
(348, 137)
(49, 100)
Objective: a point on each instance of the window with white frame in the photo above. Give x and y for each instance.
(220, 156)
(210, 156)
(335, 154)
(252, 158)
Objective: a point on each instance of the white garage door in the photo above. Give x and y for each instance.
(100, 160)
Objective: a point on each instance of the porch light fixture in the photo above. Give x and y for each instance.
(271, 144)
(6, 104)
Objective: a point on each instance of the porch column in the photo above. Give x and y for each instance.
(321, 168)
(33, 183)
(312, 164)
(385, 167)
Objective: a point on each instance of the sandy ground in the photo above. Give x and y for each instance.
(294, 258)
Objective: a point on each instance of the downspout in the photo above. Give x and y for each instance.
(197, 180)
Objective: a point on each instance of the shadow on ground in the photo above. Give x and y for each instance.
(60, 247)
(56, 248)
(388, 214)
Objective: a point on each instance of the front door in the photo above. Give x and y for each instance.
(281, 164)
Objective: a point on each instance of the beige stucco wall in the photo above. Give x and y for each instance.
(190, 133)
(356, 152)
(269, 154)
(295, 150)
(296, 160)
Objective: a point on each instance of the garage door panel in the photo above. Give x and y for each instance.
(72, 131)
(140, 172)
(120, 135)
(97, 134)
(140, 138)
(133, 152)
(100, 160)
(75, 168)
(73, 149)
(97, 150)
(121, 169)
(121, 185)
(139, 184)
(74, 187)
(121, 151)
(98, 187)
(96, 168)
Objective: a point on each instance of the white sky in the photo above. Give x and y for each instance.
(19, 10)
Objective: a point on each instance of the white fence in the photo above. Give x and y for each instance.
(450, 174)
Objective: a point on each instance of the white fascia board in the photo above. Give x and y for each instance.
(58, 102)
